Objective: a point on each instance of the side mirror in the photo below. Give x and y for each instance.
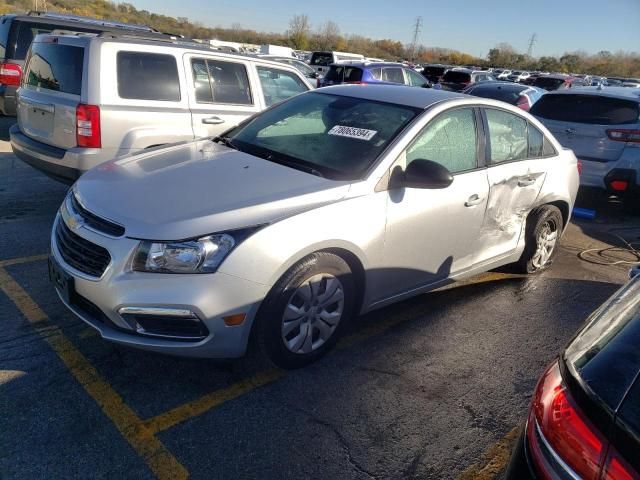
(426, 174)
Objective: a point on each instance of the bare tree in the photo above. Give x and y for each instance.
(328, 36)
(299, 30)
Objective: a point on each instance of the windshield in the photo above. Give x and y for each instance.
(334, 136)
(339, 74)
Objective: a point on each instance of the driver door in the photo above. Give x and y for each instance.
(431, 233)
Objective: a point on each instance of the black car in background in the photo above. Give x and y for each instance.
(584, 419)
(434, 72)
(522, 96)
(459, 79)
(18, 31)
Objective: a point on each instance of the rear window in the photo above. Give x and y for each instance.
(5, 27)
(321, 58)
(456, 77)
(509, 95)
(344, 74)
(548, 83)
(55, 67)
(148, 76)
(435, 71)
(23, 33)
(590, 109)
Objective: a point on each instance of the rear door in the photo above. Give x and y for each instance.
(222, 92)
(51, 91)
(516, 172)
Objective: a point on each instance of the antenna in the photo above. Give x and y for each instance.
(417, 28)
(532, 41)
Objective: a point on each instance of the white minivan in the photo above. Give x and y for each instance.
(321, 61)
(85, 99)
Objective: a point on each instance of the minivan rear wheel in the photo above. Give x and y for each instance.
(304, 314)
(542, 237)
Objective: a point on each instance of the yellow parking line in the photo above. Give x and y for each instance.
(161, 462)
(16, 261)
(211, 400)
(493, 461)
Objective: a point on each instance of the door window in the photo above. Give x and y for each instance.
(507, 136)
(449, 139)
(216, 81)
(278, 85)
(415, 79)
(393, 75)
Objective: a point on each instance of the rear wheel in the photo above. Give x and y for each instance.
(543, 230)
(305, 312)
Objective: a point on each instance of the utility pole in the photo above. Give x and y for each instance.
(532, 41)
(417, 28)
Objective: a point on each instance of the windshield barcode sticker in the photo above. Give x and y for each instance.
(352, 132)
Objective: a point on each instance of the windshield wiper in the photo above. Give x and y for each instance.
(226, 141)
(293, 164)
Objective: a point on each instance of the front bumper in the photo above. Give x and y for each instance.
(211, 297)
(64, 165)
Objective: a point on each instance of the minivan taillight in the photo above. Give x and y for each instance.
(624, 135)
(10, 74)
(559, 434)
(88, 126)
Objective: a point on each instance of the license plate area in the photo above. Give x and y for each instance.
(62, 281)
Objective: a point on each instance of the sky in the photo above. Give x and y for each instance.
(471, 26)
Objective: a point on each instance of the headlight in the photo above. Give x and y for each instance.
(203, 255)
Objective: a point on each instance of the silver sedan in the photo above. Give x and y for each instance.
(331, 204)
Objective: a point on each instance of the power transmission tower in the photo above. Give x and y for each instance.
(532, 41)
(417, 28)
(40, 5)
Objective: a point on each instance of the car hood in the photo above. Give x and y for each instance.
(193, 189)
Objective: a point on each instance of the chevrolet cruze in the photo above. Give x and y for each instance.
(330, 204)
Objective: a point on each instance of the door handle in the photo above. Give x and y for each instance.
(526, 182)
(215, 120)
(473, 201)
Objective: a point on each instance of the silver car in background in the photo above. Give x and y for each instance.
(333, 203)
(86, 99)
(602, 126)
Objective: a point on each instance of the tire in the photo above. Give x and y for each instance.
(316, 295)
(540, 250)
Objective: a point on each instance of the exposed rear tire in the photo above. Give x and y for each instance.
(305, 312)
(542, 238)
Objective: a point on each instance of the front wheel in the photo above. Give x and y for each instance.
(543, 230)
(305, 312)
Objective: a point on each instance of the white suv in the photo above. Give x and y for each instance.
(86, 99)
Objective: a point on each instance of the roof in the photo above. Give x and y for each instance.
(613, 92)
(398, 94)
(361, 63)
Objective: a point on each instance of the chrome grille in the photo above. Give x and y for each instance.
(95, 222)
(81, 254)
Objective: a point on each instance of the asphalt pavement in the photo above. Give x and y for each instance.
(431, 388)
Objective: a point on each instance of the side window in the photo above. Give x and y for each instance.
(507, 136)
(393, 75)
(536, 142)
(449, 139)
(148, 76)
(217, 81)
(415, 79)
(278, 85)
(376, 73)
